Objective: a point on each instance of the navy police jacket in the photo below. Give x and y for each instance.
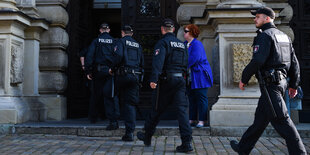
(128, 53)
(99, 52)
(170, 56)
(273, 49)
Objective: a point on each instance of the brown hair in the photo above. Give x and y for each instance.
(193, 30)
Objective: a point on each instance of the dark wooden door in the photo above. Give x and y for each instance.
(300, 23)
(146, 16)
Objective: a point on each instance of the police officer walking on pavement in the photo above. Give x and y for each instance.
(128, 69)
(273, 60)
(168, 69)
(98, 62)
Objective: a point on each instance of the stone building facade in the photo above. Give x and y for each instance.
(33, 43)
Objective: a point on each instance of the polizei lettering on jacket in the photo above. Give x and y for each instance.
(177, 45)
(107, 41)
(133, 44)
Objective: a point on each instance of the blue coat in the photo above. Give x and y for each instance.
(201, 73)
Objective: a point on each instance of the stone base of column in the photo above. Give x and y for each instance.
(232, 116)
(56, 106)
(13, 110)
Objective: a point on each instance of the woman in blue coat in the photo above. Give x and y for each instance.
(201, 77)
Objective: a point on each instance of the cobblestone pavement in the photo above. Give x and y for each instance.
(63, 144)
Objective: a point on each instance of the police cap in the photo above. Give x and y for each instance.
(264, 10)
(127, 28)
(104, 26)
(167, 23)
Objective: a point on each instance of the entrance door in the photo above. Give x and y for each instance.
(300, 23)
(146, 16)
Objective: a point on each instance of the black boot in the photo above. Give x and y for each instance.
(113, 125)
(185, 147)
(234, 145)
(146, 139)
(128, 137)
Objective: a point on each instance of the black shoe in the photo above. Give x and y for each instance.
(93, 121)
(184, 148)
(234, 145)
(146, 139)
(128, 137)
(112, 126)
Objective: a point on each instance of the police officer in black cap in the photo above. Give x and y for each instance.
(167, 79)
(128, 69)
(273, 60)
(97, 64)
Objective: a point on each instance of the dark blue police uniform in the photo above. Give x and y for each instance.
(168, 69)
(274, 56)
(128, 61)
(98, 62)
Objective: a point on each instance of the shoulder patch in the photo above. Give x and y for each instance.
(255, 48)
(282, 38)
(157, 51)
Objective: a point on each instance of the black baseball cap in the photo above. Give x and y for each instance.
(168, 22)
(127, 28)
(264, 10)
(104, 26)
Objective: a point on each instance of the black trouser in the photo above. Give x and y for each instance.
(102, 95)
(128, 88)
(171, 91)
(282, 124)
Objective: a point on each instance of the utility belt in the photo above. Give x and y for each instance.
(170, 75)
(126, 70)
(102, 68)
(273, 76)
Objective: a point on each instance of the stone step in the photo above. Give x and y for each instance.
(84, 128)
(164, 128)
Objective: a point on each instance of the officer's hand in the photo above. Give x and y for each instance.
(110, 71)
(241, 85)
(292, 92)
(153, 85)
(89, 77)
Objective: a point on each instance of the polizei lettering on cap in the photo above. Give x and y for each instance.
(177, 45)
(133, 44)
(108, 41)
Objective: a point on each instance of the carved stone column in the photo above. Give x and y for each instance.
(53, 58)
(13, 109)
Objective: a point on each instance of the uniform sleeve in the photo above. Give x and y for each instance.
(118, 53)
(294, 71)
(158, 61)
(141, 59)
(195, 54)
(90, 56)
(261, 51)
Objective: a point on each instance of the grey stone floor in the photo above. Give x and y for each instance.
(66, 144)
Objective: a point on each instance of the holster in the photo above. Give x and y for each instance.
(273, 76)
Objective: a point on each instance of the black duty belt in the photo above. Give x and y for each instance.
(101, 67)
(174, 75)
(132, 71)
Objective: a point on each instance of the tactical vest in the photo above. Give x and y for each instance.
(280, 52)
(177, 56)
(132, 54)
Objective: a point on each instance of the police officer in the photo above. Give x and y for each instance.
(167, 79)
(273, 60)
(128, 61)
(98, 62)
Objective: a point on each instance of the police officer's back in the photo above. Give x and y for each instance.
(167, 79)
(128, 68)
(98, 62)
(273, 60)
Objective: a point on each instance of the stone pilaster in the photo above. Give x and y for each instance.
(13, 109)
(53, 58)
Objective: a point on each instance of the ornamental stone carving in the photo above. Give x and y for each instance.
(242, 55)
(239, 3)
(17, 62)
